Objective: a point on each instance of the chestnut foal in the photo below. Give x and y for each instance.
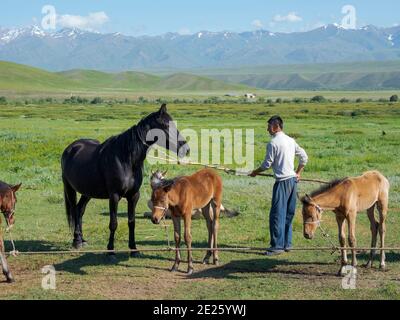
(202, 190)
(7, 207)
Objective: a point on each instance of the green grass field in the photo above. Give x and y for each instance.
(341, 140)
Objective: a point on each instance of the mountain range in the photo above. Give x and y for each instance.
(77, 49)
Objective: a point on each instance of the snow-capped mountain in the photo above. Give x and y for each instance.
(74, 48)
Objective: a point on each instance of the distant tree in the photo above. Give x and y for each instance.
(97, 100)
(3, 100)
(298, 100)
(344, 100)
(394, 98)
(318, 99)
(359, 100)
(279, 100)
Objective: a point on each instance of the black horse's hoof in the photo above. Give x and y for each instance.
(77, 245)
(84, 243)
(189, 272)
(135, 254)
(10, 279)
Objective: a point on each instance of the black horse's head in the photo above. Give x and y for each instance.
(160, 129)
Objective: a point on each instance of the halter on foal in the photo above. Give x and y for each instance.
(202, 190)
(7, 206)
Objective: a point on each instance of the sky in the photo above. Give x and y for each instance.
(154, 17)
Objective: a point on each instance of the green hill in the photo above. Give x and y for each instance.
(189, 82)
(21, 78)
(357, 76)
(17, 77)
(124, 80)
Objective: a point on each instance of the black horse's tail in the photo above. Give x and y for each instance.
(69, 195)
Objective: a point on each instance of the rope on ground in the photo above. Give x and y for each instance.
(254, 250)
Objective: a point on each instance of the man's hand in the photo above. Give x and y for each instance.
(298, 176)
(256, 172)
(253, 174)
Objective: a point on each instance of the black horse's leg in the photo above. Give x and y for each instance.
(83, 201)
(114, 199)
(132, 202)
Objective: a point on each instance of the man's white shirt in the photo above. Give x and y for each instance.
(281, 152)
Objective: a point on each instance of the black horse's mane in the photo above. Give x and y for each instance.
(327, 187)
(131, 142)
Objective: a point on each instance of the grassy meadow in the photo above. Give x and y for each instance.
(342, 139)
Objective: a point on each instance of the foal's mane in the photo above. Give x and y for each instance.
(326, 187)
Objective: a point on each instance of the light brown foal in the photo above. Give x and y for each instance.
(346, 198)
(202, 190)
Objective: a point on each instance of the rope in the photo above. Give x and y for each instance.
(223, 249)
(221, 168)
(166, 231)
(326, 235)
(13, 252)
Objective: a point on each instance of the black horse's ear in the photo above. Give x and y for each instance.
(163, 108)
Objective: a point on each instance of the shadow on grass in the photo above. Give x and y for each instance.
(263, 266)
(391, 256)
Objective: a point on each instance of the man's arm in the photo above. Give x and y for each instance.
(303, 159)
(267, 163)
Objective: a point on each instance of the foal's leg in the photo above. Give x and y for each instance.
(187, 218)
(382, 208)
(132, 202)
(208, 215)
(342, 240)
(114, 199)
(83, 201)
(216, 209)
(177, 236)
(3, 260)
(352, 236)
(374, 232)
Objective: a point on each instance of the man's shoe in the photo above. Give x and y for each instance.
(273, 252)
(288, 249)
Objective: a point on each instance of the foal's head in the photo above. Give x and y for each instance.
(160, 201)
(8, 200)
(312, 214)
(160, 128)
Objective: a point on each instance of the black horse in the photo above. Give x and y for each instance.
(114, 170)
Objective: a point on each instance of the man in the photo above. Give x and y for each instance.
(281, 152)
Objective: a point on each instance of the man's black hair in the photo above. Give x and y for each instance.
(276, 120)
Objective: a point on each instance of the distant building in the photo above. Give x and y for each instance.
(250, 95)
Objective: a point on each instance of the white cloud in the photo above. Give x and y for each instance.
(257, 24)
(290, 17)
(90, 22)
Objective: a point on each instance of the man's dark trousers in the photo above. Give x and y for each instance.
(283, 208)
